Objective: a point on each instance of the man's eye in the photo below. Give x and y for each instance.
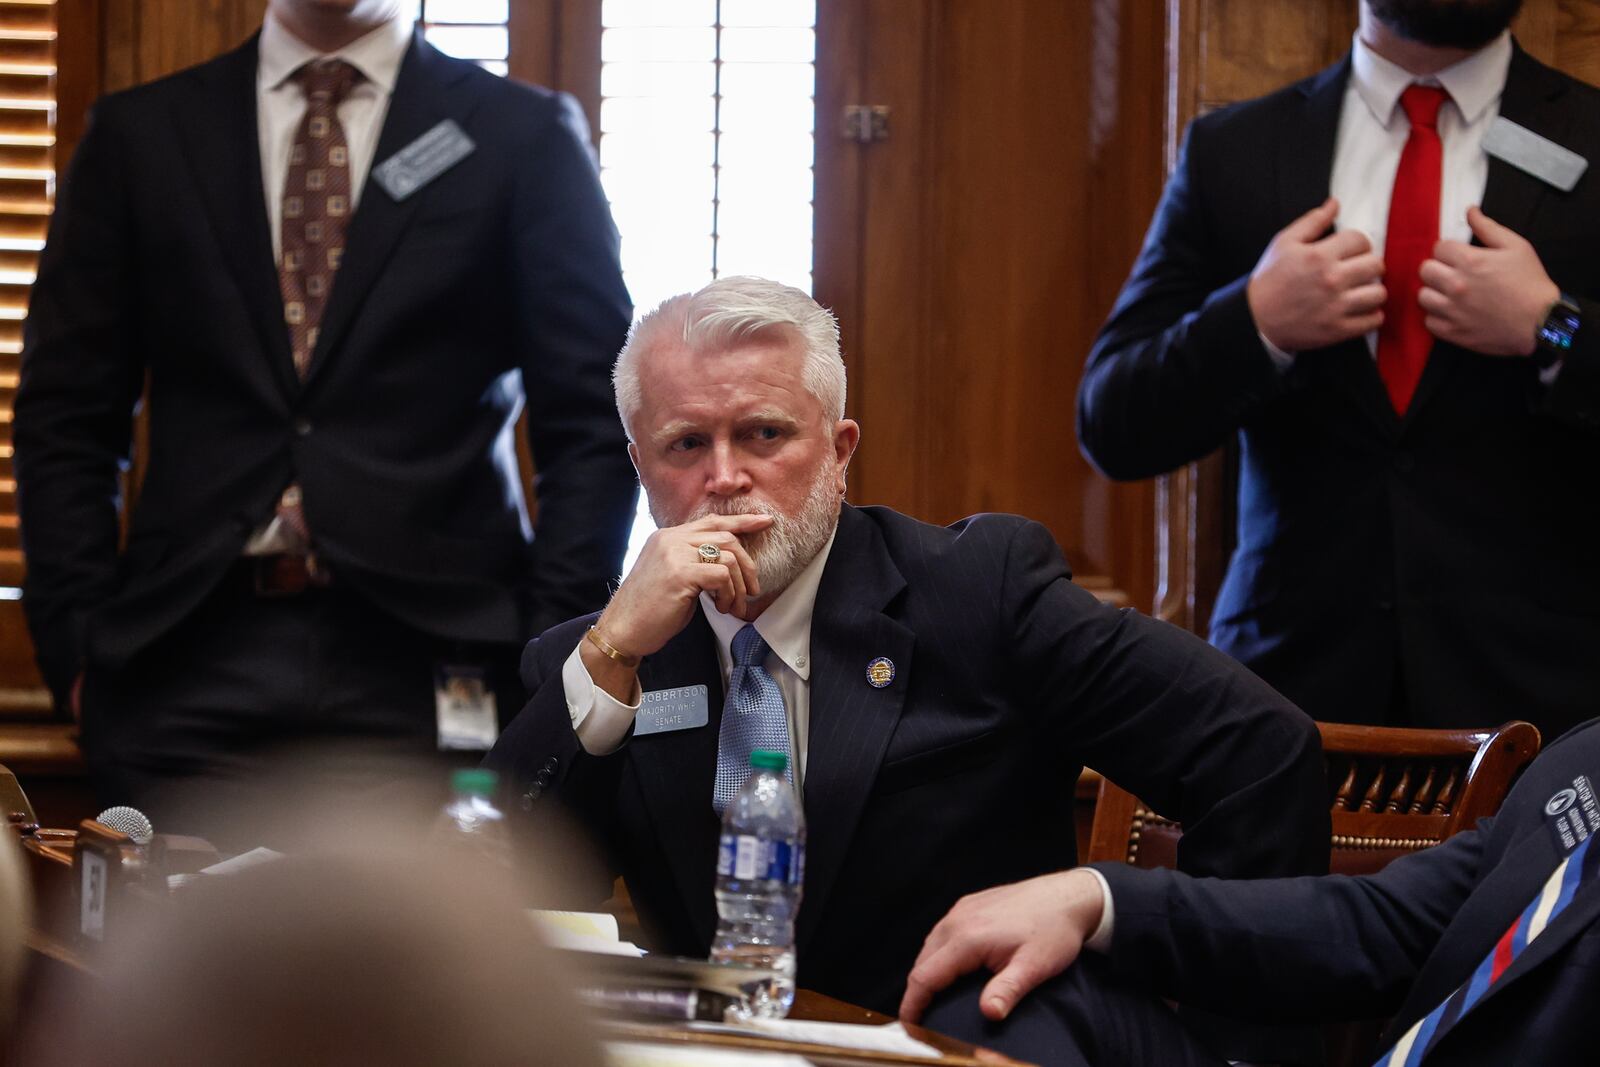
(685, 444)
(768, 433)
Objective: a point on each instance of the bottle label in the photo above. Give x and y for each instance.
(746, 857)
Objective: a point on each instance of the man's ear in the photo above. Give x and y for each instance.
(846, 436)
(633, 456)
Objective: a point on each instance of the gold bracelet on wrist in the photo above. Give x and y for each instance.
(608, 651)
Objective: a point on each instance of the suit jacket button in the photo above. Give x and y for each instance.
(550, 765)
(302, 427)
(530, 796)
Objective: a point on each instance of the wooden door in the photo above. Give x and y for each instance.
(973, 251)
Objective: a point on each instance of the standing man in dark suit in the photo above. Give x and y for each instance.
(1482, 950)
(341, 263)
(937, 689)
(1416, 394)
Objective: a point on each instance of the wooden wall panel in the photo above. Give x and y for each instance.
(145, 39)
(1250, 47)
(973, 254)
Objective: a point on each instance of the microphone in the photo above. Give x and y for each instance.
(130, 821)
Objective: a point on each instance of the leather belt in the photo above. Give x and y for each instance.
(288, 575)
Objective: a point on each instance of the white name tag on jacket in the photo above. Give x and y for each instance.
(465, 706)
(662, 711)
(1535, 154)
(423, 160)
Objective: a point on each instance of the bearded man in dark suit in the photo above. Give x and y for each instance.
(1381, 281)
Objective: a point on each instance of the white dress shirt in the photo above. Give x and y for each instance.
(1373, 130)
(601, 721)
(280, 105)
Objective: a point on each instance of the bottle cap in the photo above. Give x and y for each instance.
(474, 781)
(767, 760)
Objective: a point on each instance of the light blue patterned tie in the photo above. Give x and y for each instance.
(752, 718)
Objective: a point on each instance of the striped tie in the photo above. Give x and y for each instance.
(1563, 884)
(753, 717)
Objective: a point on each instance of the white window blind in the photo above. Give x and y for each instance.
(706, 149)
(707, 117)
(467, 29)
(27, 188)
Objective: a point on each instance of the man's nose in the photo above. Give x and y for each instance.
(726, 474)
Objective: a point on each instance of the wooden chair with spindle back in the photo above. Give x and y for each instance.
(1394, 791)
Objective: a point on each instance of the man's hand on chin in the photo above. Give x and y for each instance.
(1024, 933)
(657, 598)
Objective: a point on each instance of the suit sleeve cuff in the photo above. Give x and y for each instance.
(1100, 940)
(600, 720)
(1280, 359)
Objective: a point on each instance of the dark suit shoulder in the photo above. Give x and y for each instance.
(532, 109)
(1524, 65)
(983, 541)
(1581, 739)
(1264, 115)
(180, 84)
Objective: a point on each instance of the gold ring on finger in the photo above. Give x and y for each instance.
(710, 553)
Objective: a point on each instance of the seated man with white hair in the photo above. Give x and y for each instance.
(940, 687)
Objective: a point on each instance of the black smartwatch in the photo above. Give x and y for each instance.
(1556, 335)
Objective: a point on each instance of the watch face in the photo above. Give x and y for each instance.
(1560, 327)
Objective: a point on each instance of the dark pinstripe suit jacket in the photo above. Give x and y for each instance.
(957, 776)
(1395, 943)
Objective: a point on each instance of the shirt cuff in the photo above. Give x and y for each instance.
(1100, 940)
(1280, 359)
(599, 719)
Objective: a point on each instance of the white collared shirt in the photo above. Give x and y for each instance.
(601, 721)
(280, 105)
(1373, 130)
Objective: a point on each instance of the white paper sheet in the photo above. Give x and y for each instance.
(643, 1054)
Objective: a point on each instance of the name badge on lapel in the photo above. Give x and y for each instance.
(1538, 156)
(1573, 814)
(662, 711)
(423, 160)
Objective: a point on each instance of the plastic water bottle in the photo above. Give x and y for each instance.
(760, 868)
(471, 822)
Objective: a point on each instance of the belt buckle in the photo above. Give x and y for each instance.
(288, 575)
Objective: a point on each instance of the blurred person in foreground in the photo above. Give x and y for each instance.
(937, 689)
(338, 264)
(1382, 283)
(371, 943)
(1482, 950)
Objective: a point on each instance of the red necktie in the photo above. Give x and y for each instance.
(1404, 340)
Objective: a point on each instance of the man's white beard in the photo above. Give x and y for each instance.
(782, 550)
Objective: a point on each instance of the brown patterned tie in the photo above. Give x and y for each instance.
(316, 208)
(316, 204)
